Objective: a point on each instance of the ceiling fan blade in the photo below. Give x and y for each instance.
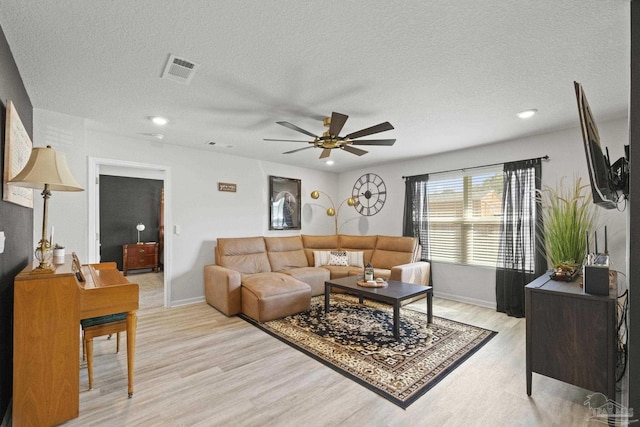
(299, 149)
(285, 140)
(370, 131)
(325, 153)
(296, 128)
(374, 142)
(337, 122)
(353, 150)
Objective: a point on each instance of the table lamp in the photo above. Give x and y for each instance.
(140, 227)
(46, 169)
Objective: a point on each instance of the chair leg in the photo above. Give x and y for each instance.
(84, 349)
(89, 345)
(118, 342)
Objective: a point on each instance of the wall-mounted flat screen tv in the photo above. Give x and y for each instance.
(605, 185)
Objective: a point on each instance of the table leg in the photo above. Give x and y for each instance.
(360, 298)
(327, 295)
(132, 320)
(89, 361)
(396, 320)
(430, 307)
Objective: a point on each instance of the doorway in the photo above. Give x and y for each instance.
(125, 204)
(131, 170)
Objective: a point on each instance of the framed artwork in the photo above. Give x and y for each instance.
(284, 206)
(17, 149)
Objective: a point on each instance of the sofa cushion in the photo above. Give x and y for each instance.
(366, 244)
(285, 252)
(318, 243)
(392, 250)
(247, 255)
(339, 271)
(338, 258)
(354, 258)
(321, 258)
(312, 276)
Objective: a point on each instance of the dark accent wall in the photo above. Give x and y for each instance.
(125, 202)
(634, 213)
(16, 221)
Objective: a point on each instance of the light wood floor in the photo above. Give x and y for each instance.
(197, 367)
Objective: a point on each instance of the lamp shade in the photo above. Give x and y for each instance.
(46, 166)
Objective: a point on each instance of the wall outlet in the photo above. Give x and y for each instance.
(177, 229)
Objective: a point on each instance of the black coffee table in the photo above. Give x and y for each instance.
(394, 294)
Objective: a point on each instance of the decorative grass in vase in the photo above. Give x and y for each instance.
(569, 216)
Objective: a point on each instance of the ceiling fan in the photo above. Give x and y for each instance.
(330, 139)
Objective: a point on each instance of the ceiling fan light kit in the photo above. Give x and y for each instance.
(331, 138)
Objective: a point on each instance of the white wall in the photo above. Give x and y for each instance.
(67, 210)
(477, 284)
(203, 212)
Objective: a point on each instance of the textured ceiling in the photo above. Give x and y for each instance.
(446, 74)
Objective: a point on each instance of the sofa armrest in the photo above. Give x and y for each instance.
(415, 272)
(222, 289)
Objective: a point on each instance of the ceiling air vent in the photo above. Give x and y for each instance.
(179, 70)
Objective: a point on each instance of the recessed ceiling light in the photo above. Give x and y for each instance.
(329, 162)
(212, 143)
(527, 113)
(160, 121)
(157, 135)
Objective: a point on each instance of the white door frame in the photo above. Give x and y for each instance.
(136, 170)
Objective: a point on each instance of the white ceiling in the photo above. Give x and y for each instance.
(447, 74)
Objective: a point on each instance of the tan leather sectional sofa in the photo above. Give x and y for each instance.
(267, 278)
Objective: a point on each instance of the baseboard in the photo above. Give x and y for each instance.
(474, 301)
(452, 297)
(187, 301)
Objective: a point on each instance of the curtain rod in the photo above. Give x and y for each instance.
(545, 158)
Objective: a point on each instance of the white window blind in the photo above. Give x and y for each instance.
(465, 210)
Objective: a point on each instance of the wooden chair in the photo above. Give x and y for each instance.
(97, 327)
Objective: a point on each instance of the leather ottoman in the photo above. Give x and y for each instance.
(269, 296)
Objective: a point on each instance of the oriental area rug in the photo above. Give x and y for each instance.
(357, 341)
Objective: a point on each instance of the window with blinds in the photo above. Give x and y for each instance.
(465, 211)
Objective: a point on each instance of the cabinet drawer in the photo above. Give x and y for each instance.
(142, 261)
(140, 250)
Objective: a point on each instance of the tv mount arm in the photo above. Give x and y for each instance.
(619, 172)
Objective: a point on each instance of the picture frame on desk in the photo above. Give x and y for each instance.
(77, 267)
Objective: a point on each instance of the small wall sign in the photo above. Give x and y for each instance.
(225, 186)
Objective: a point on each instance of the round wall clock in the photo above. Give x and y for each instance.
(370, 193)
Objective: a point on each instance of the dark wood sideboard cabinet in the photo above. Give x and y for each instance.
(137, 256)
(571, 336)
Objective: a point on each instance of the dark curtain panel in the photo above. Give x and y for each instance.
(520, 257)
(415, 222)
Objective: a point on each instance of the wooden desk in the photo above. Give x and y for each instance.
(46, 335)
(571, 336)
